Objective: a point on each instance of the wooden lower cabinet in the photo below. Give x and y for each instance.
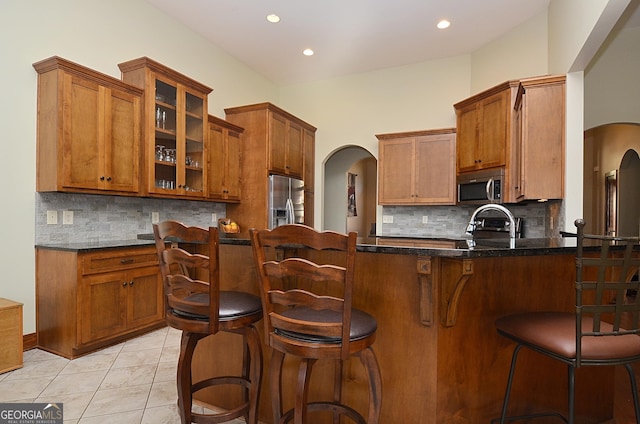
(11, 335)
(87, 300)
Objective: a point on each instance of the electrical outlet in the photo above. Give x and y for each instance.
(425, 219)
(387, 219)
(52, 217)
(155, 217)
(67, 217)
(214, 218)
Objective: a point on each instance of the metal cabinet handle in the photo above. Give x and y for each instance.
(126, 261)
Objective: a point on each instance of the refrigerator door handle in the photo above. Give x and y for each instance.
(290, 211)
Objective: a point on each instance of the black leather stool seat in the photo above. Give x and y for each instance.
(233, 304)
(362, 324)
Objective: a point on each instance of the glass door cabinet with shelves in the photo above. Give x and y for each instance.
(175, 129)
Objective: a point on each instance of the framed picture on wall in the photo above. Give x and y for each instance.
(351, 194)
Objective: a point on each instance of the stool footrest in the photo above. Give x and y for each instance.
(328, 406)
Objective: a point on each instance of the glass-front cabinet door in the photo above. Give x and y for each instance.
(175, 132)
(178, 165)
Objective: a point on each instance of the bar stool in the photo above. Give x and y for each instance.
(195, 304)
(308, 314)
(602, 331)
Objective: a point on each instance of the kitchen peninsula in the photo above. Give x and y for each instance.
(435, 301)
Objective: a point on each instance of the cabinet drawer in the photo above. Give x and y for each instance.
(119, 259)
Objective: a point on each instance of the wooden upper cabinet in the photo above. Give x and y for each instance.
(286, 146)
(417, 168)
(224, 160)
(175, 129)
(483, 128)
(89, 130)
(273, 142)
(519, 126)
(539, 132)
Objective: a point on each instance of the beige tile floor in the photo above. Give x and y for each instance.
(131, 383)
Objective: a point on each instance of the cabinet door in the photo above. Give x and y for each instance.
(294, 150)
(162, 127)
(277, 143)
(467, 135)
(309, 160)
(217, 159)
(101, 137)
(145, 303)
(493, 131)
(435, 177)
(103, 300)
(191, 149)
(81, 146)
(540, 143)
(395, 175)
(233, 172)
(517, 182)
(224, 164)
(122, 141)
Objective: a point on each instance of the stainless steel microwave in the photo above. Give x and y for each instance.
(486, 186)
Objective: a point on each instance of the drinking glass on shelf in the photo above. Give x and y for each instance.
(170, 155)
(159, 152)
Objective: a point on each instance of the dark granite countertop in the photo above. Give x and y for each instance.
(96, 245)
(422, 246)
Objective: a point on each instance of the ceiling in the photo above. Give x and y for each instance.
(348, 36)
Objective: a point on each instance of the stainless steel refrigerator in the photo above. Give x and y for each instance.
(286, 201)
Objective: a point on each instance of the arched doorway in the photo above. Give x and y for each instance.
(611, 172)
(629, 194)
(337, 215)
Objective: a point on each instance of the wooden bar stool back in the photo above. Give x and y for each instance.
(604, 328)
(195, 304)
(308, 314)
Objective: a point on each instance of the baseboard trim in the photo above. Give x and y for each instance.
(29, 341)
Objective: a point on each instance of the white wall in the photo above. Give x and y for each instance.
(612, 89)
(577, 30)
(521, 53)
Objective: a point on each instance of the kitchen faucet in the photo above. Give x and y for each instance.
(496, 207)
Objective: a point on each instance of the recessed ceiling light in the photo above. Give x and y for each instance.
(443, 24)
(273, 18)
(307, 52)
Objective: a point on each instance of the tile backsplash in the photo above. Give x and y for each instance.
(451, 221)
(100, 217)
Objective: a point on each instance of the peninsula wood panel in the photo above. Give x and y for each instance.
(440, 373)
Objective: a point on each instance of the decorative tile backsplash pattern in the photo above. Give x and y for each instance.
(100, 217)
(451, 221)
